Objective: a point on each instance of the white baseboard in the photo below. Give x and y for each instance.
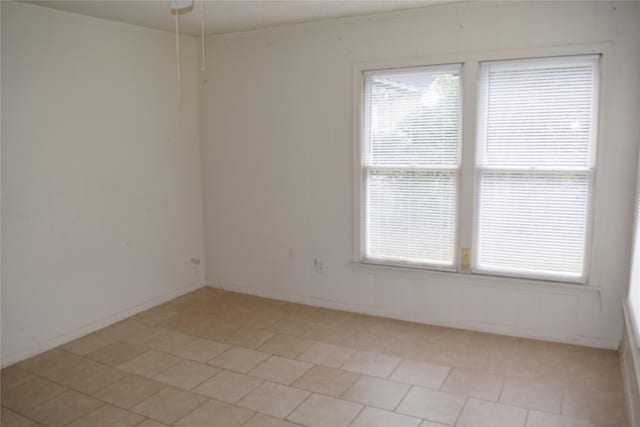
(630, 366)
(424, 318)
(45, 345)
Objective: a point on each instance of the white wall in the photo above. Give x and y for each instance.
(101, 183)
(277, 122)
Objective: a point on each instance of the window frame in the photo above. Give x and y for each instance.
(365, 169)
(468, 180)
(589, 171)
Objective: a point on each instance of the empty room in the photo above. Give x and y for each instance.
(320, 213)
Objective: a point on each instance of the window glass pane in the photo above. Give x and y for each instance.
(411, 216)
(539, 113)
(533, 222)
(413, 118)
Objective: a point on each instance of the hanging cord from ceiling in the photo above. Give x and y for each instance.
(203, 64)
(178, 74)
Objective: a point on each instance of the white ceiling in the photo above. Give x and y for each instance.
(230, 15)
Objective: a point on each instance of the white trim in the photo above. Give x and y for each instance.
(361, 166)
(421, 318)
(486, 67)
(631, 380)
(66, 337)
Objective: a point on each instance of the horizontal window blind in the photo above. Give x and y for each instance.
(535, 159)
(410, 164)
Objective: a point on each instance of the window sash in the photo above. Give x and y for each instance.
(367, 166)
(483, 167)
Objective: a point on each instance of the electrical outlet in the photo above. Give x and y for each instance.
(465, 260)
(320, 265)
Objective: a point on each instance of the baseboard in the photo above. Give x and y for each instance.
(630, 366)
(94, 326)
(426, 319)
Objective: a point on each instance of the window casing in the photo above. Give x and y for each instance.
(380, 177)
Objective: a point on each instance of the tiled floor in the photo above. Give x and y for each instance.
(215, 358)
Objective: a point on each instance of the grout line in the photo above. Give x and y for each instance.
(461, 410)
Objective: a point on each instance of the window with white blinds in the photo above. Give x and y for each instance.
(535, 159)
(634, 280)
(410, 165)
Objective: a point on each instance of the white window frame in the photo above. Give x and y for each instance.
(467, 183)
(589, 171)
(365, 169)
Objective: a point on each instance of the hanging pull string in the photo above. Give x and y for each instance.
(203, 65)
(178, 76)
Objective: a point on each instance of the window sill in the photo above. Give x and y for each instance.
(475, 279)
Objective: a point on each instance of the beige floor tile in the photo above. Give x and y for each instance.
(168, 405)
(168, 341)
(372, 364)
(131, 331)
(13, 376)
(149, 364)
(64, 408)
(324, 380)
(373, 417)
(420, 373)
(108, 416)
(239, 359)
(201, 350)
(215, 330)
(330, 355)
(474, 384)
(260, 420)
(432, 405)
(129, 391)
(117, 353)
(599, 403)
(249, 338)
(323, 411)
(541, 419)
(280, 370)
(228, 386)
(186, 374)
(215, 414)
(479, 413)
(377, 392)
(286, 345)
(88, 343)
(532, 395)
(274, 399)
(427, 423)
(63, 366)
(154, 316)
(151, 423)
(92, 379)
(30, 394)
(32, 363)
(8, 418)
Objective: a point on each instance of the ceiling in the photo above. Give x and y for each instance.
(229, 15)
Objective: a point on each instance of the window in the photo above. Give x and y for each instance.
(521, 207)
(410, 165)
(535, 162)
(634, 281)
